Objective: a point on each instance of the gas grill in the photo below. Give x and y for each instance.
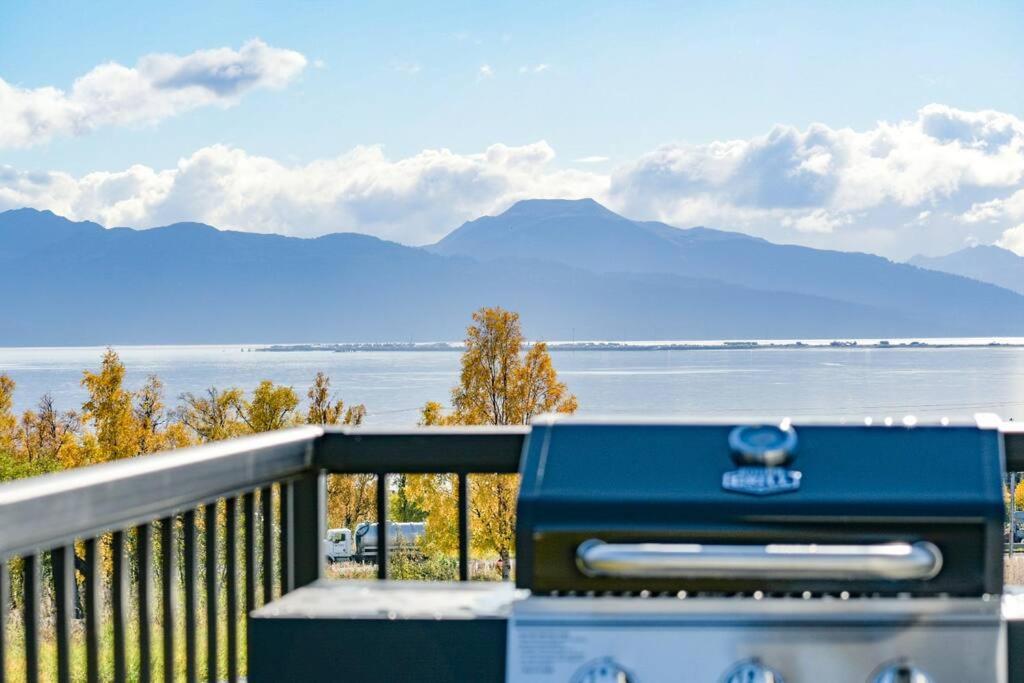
(718, 553)
(723, 552)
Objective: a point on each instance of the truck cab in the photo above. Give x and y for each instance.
(338, 545)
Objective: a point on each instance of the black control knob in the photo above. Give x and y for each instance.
(902, 672)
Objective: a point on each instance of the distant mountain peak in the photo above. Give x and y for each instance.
(984, 262)
(36, 216)
(549, 207)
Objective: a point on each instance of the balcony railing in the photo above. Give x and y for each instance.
(128, 504)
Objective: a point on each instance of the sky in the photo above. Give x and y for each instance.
(892, 128)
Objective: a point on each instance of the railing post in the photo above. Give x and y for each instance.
(382, 525)
(463, 485)
(308, 527)
(1013, 512)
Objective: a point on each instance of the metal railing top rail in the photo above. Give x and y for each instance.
(51, 510)
(455, 450)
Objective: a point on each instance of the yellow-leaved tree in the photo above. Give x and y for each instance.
(110, 409)
(272, 407)
(350, 497)
(8, 423)
(51, 435)
(213, 415)
(499, 384)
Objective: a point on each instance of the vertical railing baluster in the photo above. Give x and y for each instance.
(1013, 512)
(463, 479)
(382, 526)
(231, 586)
(168, 551)
(144, 560)
(62, 561)
(308, 522)
(268, 544)
(249, 512)
(189, 557)
(286, 551)
(93, 564)
(5, 597)
(249, 508)
(119, 605)
(30, 616)
(210, 510)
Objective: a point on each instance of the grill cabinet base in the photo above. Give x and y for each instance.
(370, 631)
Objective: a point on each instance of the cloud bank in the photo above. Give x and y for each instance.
(892, 188)
(157, 87)
(929, 184)
(415, 200)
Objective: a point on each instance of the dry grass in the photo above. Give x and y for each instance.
(1013, 569)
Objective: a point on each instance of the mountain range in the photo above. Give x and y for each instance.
(573, 269)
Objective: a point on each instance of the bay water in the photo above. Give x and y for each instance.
(807, 382)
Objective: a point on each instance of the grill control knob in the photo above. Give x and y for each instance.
(603, 670)
(902, 672)
(751, 671)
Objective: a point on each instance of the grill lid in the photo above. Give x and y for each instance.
(770, 507)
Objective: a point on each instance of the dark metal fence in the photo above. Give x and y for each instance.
(177, 499)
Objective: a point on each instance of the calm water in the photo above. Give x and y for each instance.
(809, 382)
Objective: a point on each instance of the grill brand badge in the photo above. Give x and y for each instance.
(762, 453)
(761, 481)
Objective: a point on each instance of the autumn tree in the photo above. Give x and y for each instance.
(109, 408)
(272, 407)
(51, 435)
(12, 464)
(150, 415)
(213, 415)
(350, 497)
(499, 384)
(8, 423)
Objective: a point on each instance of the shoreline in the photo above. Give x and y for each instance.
(364, 347)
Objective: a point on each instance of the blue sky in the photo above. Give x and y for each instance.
(589, 80)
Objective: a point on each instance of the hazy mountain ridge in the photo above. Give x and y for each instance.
(985, 263)
(594, 238)
(79, 283)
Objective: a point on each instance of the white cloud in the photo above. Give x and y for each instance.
(818, 220)
(1013, 239)
(592, 160)
(838, 187)
(924, 185)
(1011, 207)
(414, 200)
(485, 71)
(157, 87)
(534, 69)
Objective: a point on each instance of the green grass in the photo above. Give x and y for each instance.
(403, 567)
(15, 656)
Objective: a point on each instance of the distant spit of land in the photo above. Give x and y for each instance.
(356, 347)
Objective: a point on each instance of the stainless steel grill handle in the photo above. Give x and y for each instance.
(883, 561)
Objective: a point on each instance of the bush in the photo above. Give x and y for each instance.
(411, 565)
